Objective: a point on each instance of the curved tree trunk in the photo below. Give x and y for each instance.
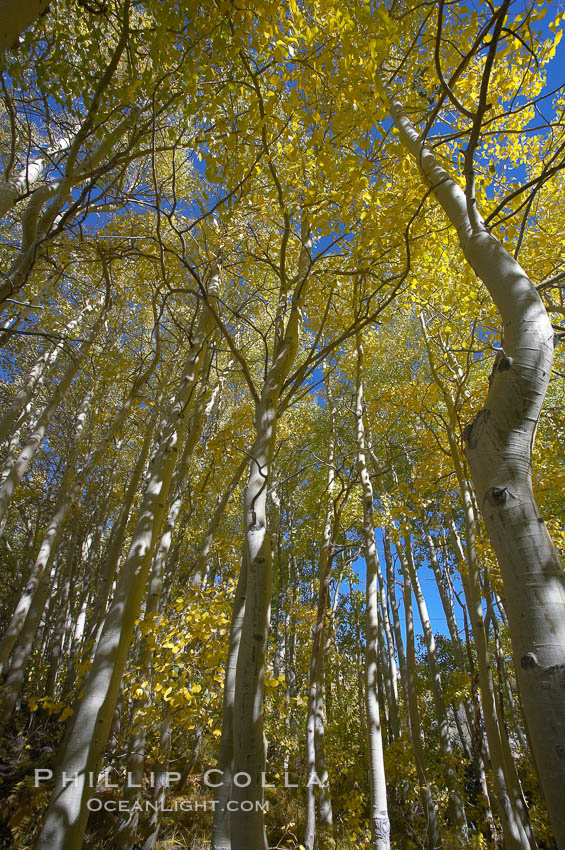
(499, 449)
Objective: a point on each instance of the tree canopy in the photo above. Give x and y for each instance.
(282, 436)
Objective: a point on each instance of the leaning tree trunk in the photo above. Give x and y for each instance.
(69, 494)
(47, 547)
(137, 739)
(26, 618)
(499, 449)
(33, 442)
(114, 545)
(66, 817)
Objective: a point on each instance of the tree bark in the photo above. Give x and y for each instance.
(511, 807)
(248, 829)
(16, 17)
(379, 819)
(499, 449)
(221, 832)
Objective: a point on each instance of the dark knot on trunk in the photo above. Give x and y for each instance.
(473, 431)
(497, 495)
(528, 661)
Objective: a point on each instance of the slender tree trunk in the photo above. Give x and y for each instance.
(380, 823)
(47, 547)
(392, 671)
(200, 565)
(390, 580)
(511, 808)
(248, 829)
(15, 676)
(117, 535)
(135, 766)
(447, 605)
(433, 837)
(513, 816)
(221, 833)
(317, 775)
(69, 494)
(161, 779)
(14, 416)
(456, 809)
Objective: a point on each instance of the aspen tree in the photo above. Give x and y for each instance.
(13, 189)
(113, 548)
(221, 828)
(499, 451)
(14, 415)
(456, 808)
(67, 814)
(380, 824)
(68, 495)
(247, 829)
(135, 766)
(317, 779)
(11, 688)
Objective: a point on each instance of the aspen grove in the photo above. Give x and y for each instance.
(282, 432)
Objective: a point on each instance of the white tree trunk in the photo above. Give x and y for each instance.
(16, 17)
(511, 807)
(380, 823)
(315, 716)
(221, 831)
(28, 176)
(499, 450)
(455, 808)
(248, 828)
